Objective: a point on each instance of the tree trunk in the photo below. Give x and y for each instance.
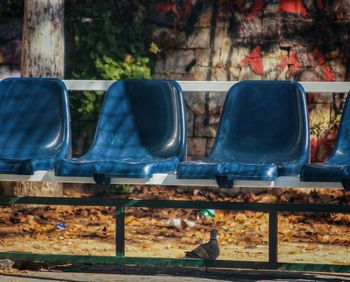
(43, 39)
(42, 56)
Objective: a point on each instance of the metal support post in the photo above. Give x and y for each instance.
(273, 237)
(120, 231)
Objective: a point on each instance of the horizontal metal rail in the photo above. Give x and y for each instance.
(209, 86)
(171, 180)
(175, 204)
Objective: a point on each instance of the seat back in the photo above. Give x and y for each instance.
(140, 119)
(341, 151)
(34, 119)
(263, 122)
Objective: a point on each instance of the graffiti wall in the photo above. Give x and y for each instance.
(260, 39)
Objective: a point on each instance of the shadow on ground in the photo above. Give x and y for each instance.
(70, 273)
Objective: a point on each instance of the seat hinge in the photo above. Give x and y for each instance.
(101, 179)
(346, 183)
(223, 181)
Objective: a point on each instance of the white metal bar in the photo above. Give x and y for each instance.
(91, 85)
(205, 86)
(209, 86)
(294, 182)
(326, 87)
(171, 180)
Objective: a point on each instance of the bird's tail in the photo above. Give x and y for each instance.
(190, 255)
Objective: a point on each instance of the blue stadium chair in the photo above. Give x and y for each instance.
(34, 124)
(263, 134)
(141, 131)
(337, 167)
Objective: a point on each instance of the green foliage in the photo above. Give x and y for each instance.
(108, 33)
(154, 48)
(105, 40)
(118, 189)
(111, 69)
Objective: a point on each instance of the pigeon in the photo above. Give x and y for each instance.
(209, 250)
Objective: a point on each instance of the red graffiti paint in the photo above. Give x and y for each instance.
(292, 62)
(320, 5)
(327, 73)
(313, 149)
(254, 59)
(318, 57)
(163, 7)
(258, 5)
(320, 60)
(321, 147)
(293, 7)
(310, 98)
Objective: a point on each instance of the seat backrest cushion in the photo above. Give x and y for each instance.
(34, 118)
(263, 122)
(140, 119)
(341, 150)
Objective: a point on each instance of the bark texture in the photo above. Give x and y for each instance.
(43, 39)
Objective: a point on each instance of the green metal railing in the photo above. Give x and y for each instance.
(121, 259)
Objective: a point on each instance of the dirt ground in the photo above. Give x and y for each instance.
(303, 237)
(288, 252)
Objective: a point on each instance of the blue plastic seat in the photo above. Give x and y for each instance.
(34, 124)
(337, 167)
(141, 131)
(263, 134)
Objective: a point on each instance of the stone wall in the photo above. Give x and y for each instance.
(277, 40)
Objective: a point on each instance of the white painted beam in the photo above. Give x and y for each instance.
(171, 180)
(205, 86)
